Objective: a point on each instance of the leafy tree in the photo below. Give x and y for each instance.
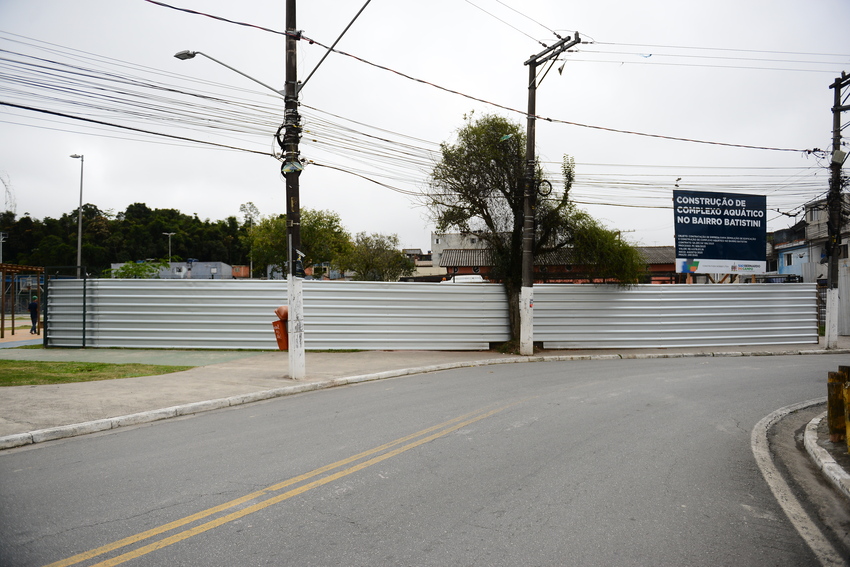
(478, 185)
(323, 239)
(267, 240)
(140, 270)
(377, 257)
(250, 212)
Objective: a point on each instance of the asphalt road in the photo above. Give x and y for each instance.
(621, 462)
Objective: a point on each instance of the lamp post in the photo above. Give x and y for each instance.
(80, 216)
(169, 235)
(291, 170)
(186, 54)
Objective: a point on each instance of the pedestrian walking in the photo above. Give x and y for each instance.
(33, 307)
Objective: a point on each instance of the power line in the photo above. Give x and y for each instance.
(530, 18)
(503, 107)
(722, 49)
(406, 160)
(219, 18)
(184, 138)
(700, 65)
(761, 59)
(513, 27)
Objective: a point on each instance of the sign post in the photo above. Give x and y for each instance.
(720, 233)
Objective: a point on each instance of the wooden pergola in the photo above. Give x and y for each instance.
(16, 270)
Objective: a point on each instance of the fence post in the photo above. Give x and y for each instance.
(835, 409)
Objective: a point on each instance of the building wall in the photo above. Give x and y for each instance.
(444, 240)
(791, 258)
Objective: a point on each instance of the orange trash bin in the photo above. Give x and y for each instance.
(281, 333)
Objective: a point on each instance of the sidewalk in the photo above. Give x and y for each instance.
(33, 414)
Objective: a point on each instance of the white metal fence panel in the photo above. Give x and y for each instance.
(659, 316)
(404, 315)
(163, 313)
(238, 314)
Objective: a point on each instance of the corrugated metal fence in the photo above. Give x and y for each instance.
(424, 316)
(585, 316)
(238, 314)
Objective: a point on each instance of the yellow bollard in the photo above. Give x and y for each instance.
(835, 407)
(847, 412)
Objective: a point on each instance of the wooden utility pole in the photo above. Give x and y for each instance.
(526, 297)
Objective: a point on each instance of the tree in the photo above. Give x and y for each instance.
(478, 185)
(140, 270)
(267, 240)
(376, 257)
(250, 212)
(323, 239)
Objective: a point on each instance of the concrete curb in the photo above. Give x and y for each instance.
(824, 461)
(782, 492)
(73, 430)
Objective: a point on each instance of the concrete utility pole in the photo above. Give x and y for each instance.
(291, 170)
(82, 159)
(835, 204)
(526, 296)
(834, 201)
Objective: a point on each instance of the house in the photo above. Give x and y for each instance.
(788, 253)
(192, 270)
(425, 271)
(817, 234)
(442, 241)
(661, 264)
(557, 267)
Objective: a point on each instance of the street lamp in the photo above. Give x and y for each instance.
(186, 54)
(291, 170)
(169, 235)
(80, 217)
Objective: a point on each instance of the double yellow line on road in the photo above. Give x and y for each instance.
(382, 453)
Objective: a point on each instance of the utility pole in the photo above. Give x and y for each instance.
(291, 170)
(835, 204)
(526, 296)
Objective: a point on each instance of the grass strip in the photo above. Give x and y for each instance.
(35, 373)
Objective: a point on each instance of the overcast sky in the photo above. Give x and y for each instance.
(752, 73)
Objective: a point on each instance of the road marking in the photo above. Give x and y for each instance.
(808, 530)
(441, 430)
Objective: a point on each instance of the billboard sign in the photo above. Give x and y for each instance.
(720, 233)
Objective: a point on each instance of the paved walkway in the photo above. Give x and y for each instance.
(33, 414)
